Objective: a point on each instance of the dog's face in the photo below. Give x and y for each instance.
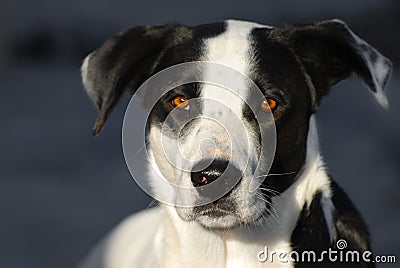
(202, 135)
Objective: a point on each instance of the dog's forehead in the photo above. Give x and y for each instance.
(232, 48)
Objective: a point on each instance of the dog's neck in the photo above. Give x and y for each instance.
(193, 243)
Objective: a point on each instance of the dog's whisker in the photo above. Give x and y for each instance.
(271, 191)
(263, 198)
(248, 227)
(259, 221)
(266, 219)
(284, 200)
(281, 199)
(272, 211)
(275, 174)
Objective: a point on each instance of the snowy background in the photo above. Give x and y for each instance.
(61, 190)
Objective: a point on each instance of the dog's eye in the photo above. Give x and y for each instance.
(181, 102)
(269, 104)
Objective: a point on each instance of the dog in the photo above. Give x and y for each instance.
(296, 205)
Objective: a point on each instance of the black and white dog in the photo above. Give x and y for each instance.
(298, 207)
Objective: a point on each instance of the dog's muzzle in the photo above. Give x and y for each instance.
(213, 177)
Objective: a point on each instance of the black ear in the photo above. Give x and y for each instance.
(330, 52)
(124, 62)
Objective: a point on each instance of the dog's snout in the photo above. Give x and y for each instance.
(220, 173)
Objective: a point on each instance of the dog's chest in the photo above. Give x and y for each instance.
(265, 254)
(242, 247)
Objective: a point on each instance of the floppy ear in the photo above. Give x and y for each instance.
(124, 62)
(330, 52)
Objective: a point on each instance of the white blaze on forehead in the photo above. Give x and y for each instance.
(231, 48)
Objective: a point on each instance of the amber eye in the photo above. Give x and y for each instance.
(269, 105)
(181, 102)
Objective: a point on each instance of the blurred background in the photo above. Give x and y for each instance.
(62, 190)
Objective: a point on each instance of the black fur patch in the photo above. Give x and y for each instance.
(311, 232)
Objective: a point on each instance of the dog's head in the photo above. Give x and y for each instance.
(293, 66)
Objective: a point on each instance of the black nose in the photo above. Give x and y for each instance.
(219, 173)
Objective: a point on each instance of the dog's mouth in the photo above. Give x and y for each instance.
(228, 212)
(215, 213)
(219, 214)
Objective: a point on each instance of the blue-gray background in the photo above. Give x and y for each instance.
(61, 189)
